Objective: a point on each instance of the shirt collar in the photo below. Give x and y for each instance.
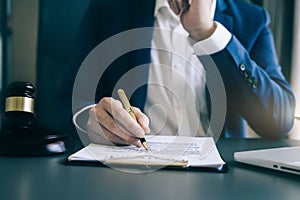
(164, 3)
(160, 4)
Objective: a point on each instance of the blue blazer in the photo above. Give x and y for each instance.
(256, 89)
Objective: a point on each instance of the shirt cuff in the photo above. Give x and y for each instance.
(215, 43)
(79, 115)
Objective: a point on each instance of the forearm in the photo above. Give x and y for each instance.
(256, 89)
(259, 93)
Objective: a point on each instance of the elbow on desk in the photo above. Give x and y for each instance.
(277, 128)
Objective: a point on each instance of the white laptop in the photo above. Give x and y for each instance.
(285, 159)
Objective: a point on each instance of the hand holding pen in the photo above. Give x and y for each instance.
(110, 123)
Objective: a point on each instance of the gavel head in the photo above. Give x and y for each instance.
(19, 108)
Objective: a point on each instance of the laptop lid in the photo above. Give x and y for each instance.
(285, 159)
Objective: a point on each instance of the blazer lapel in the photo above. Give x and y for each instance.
(143, 17)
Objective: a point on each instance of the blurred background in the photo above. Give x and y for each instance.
(19, 25)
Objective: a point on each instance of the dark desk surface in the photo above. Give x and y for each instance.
(43, 178)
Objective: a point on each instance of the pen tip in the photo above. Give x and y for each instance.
(145, 146)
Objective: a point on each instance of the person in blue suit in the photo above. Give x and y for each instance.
(233, 33)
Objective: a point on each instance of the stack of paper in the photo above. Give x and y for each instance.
(162, 151)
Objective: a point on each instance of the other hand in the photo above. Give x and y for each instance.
(195, 16)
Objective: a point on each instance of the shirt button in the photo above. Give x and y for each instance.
(254, 85)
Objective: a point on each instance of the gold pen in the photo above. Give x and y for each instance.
(127, 107)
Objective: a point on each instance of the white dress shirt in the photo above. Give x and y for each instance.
(176, 85)
(176, 97)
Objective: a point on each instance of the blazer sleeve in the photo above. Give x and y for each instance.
(255, 86)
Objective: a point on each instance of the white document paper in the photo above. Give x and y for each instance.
(162, 150)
